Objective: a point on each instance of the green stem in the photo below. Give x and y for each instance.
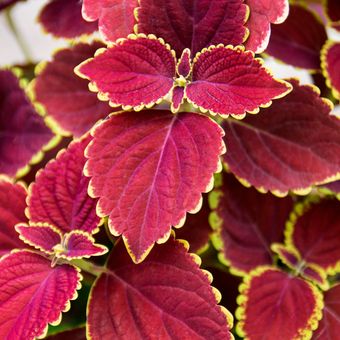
(89, 267)
(21, 42)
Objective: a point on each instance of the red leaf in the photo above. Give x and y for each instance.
(230, 81)
(12, 211)
(135, 72)
(332, 8)
(6, 3)
(184, 64)
(116, 17)
(177, 98)
(59, 195)
(299, 40)
(63, 19)
(167, 296)
(246, 223)
(262, 14)
(330, 323)
(73, 334)
(149, 169)
(41, 293)
(330, 64)
(65, 96)
(23, 133)
(193, 24)
(272, 151)
(275, 305)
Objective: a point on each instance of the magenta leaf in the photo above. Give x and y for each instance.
(184, 64)
(6, 3)
(330, 65)
(41, 293)
(262, 14)
(40, 235)
(177, 98)
(65, 96)
(276, 305)
(193, 24)
(272, 152)
(23, 133)
(246, 223)
(299, 40)
(133, 301)
(149, 169)
(59, 195)
(135, 72)
(63, 19)
(330, 323)
(12, 211)
(116, 17)
(227, 80)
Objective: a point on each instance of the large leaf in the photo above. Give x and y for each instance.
(330, 323)
(135, 72)
(63, 19)
(149, 168)
(66, 97)
(290, 146)
(276, 305)
(23, 133)
(12, 211)
(33, 294)
(193, 24)
(246, 223)
(167, 296)
(59, 195)
(262, 14)
(116, 17)
(299, 40)
(229, 80)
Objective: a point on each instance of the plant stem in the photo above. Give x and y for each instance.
(89, 267)
(21, 42)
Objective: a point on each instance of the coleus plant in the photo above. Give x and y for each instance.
(95, 172)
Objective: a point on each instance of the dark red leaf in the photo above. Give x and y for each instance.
(33, 294)
(332, 8)
(184, 64)
(193, 24)
(273, 152)
(276, 305)
(63, 19)
(73, 334)
(23, 133)
(299, 40)
(149, 168)
(65, 96)
(59, 195)
(135, 301)
(246, 223)
(6, 3)
(177, 98)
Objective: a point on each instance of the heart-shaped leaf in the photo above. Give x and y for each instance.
(272, 151)
(65, 96)
(149, 168)
(133, 301)
(63, 19)
(59, 195)
(194, 24)
(41, 293)
(275, 305)
(246, 223)
(23, 133)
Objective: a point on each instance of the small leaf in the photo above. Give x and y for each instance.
(167, 296)
(193, 24)
(72, 334)
(59, 195)
(299, 40)
(246, 223)
(63, 19)
(332, 9)
(272, 151)
(12, 211)
(230, 81)
(41, 293)
(275, 305)
(23, 133)
(262, 14)
(65, 96)
(184, 64)
(6, 3)
(116, 17)
(177, 98)
(149, 168)
(135, 72)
